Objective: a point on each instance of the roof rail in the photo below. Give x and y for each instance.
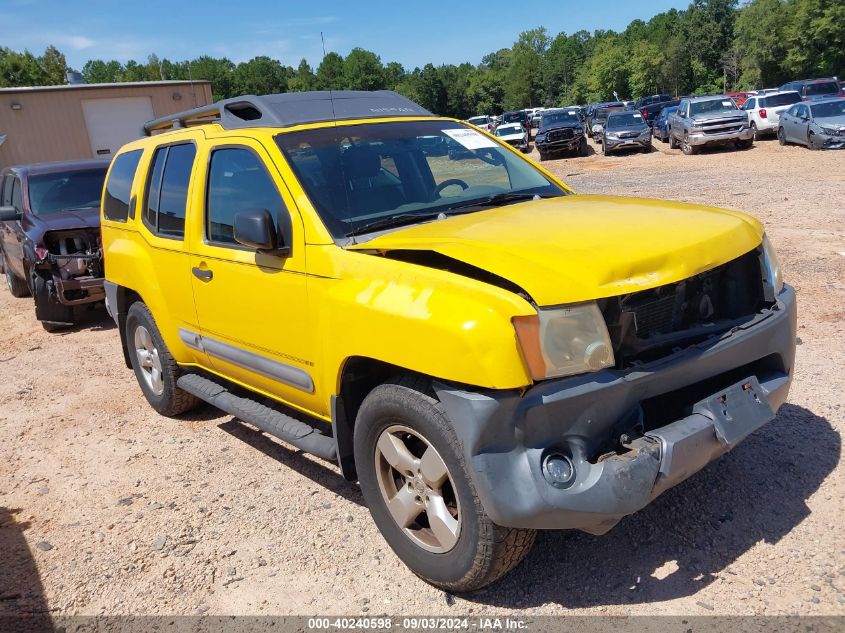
(293, 108)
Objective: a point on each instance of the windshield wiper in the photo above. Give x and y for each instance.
(392, 221)
(497, 199)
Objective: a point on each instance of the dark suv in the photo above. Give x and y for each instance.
(811, 89)
(50, 236)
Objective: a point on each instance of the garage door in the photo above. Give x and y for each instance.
(113, 122)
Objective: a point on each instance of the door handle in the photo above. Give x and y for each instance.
(203, 274)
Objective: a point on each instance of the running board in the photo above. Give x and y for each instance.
(284, 427)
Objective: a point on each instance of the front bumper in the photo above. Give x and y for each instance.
(829, 141)
(507, 435)
(745, 134)
(565, 145)
(80, 290)
(627, 143)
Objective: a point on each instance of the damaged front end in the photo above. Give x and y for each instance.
(69, 267)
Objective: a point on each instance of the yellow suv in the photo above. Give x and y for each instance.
(487, 353)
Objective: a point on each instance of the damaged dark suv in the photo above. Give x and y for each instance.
(50, 236)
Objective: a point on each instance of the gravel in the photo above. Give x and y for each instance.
(759, 531)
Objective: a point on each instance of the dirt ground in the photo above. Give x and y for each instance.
(107, 508)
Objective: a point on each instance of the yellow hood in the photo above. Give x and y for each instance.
(582, 247)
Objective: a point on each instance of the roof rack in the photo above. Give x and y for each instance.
(292, 108)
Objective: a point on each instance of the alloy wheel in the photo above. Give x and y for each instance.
(417, 489)
(148, 360)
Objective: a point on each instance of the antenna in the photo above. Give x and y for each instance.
(331, 95)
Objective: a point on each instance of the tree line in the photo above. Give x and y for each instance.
(712, 46)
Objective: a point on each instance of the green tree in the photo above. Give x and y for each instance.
(607, 72)
(524, 83)
(362, 70)
(330, 72)
(644, 68)
(219, 71)
(97, 71)
(54, 66)
(394, 73)
(816, 38)
(303, 78)
(261, 75)
(760, 32)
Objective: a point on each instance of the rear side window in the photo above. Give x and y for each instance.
(781, 100)
(237, 181)
(167, 190)
(119, 186)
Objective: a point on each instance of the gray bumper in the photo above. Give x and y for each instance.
(744, 134)
(506, 436)
(630, 143)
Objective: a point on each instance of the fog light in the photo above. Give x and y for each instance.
(558, 470)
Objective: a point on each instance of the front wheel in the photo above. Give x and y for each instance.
(811, 141)
(155, 368)
(416, 482)
(583, 148)
(781, 136)
(687, 148)
(745, 144)
(673, 144)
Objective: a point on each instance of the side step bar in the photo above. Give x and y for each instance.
(282, 426)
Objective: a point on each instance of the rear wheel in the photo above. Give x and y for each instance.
(754, 131)
(155, 368)
(416, 482)
(781, 136)
(17, 286)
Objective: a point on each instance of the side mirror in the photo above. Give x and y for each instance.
(9, 214)
(255, 228)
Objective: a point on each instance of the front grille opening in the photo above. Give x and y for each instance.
(648, 325)
(668, 407)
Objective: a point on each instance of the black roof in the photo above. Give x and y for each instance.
(33, 169)
(294, 108)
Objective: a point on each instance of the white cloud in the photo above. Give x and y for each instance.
(76, 42)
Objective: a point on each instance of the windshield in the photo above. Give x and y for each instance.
(822, 88)
(626, 119)
(61, 191)
(559, 117)
(513, 117)
(478, 120)
(787, 98)
(712, 106)
(829, 109)
(507, 130)
(667, 111)
(356, 175)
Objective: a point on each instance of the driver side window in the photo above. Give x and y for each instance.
(16, 201)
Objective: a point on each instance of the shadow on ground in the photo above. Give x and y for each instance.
(23, 606)
(757, 492)
(316, 471)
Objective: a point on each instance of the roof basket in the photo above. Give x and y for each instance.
(293, 108)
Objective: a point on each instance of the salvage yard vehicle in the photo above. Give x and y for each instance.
(625, 130)
(660, 128)
(812, 89)
(560, 131)
(764, 110)
(50, 236)
(513, 134)
(485, 352)
(818, 125)
(701, 121)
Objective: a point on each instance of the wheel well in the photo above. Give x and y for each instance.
(359, 377)
(125, 299)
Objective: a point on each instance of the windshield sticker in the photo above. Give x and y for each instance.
(572, 112)
(727, 103)
(470, 138)
(638, 116)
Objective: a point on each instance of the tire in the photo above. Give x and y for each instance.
(744, 144)
(811, 141)
(781, 136)
(754, 131)
(52, 314)
(158, 379)
(673, 144)
(543, 156)
(583, 148)
(475, 551)
(686, 148)
(17, 286)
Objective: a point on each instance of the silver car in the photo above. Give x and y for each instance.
(818, 124)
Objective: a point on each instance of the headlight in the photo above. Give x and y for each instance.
(612, 136)
(540, 137)
(564, 341)
(830, 131)
(645, 133)
(771, 264)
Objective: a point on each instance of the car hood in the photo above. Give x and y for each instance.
(832, 121)
(511, 136)
(72, 219)
(583, 247)
(629, 128)
(560, 126)
(715, 116)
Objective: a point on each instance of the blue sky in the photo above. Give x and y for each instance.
(412, 33)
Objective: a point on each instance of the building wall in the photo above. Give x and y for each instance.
(50, 125)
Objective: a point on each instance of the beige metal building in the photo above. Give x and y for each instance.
(45, 123)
